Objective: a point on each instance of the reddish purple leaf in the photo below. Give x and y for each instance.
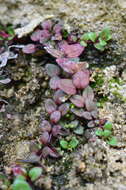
(69, 65)
(47, 151)
(55, 116)
(54, 52)
(36, 35)
(54, 82)
(52, 70)
(64, 108)
(59, 97)
(45, 126)
(28, 49)
(78, 112)
(87, 115)
(81, 79)
(45, 138)
(90, 105)
(71, 51)
(57, 28)
(45, 35)
(4, 34)
(77, 100)
(47, 25)
(88, 93)
(56, 130)
(57, 37)
(67, 86)
(17, 170)
(40, 35)
(50, 106)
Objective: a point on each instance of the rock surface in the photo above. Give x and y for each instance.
(94, 166)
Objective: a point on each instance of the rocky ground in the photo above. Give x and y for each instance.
(94, 165)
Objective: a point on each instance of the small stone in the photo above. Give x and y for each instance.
(81, 166)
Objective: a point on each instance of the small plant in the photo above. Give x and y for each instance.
(69, 145)
(24, 179)
(20, 183)
(106, 133)
(72, 94)
(99, 40)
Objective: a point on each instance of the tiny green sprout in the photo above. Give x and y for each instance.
(72, 124)
(73, 143)
(112, 141)
(99, 47)
(20, 184)
(68, 115)
(35, 173)
(83, 43)
(64, 144)
(102, 42)
(99, 132)
(69, 145)
(105, 34)
(108, 125)
(89, 36)
(106, 133)
(103, 38)
(72, 106)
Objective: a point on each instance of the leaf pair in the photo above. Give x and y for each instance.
(69, 145)
(65, 50)
(80, 81)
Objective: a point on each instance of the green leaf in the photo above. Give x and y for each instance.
(64, 144)
(99, 132)
(83, 43)
(72, 124)
(85, 37)
(112, 141)
(73, 143)
(89, 36)
(108, 125)
(102, 42)
(105, 34)
(99, 47)
(92, 36)
(79, 130)
(35, 173)
(20, 184)
(107, 133)
(10, 30)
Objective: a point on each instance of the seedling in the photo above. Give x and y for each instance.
(69, 145)
(106, 134)
(22, 182)
(100, 41)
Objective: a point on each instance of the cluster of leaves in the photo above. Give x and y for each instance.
(70, 87)
(106, 133)
(69, 145)
(99, 40)
(69, 79)
(23, 179)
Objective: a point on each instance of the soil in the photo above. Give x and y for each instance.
(94, 165)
